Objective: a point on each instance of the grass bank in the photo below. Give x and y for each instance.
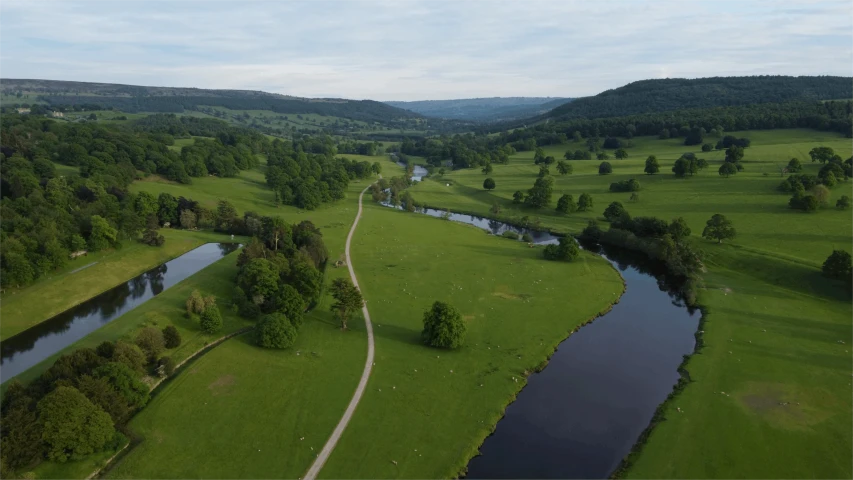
(429, 410)
(86, 277)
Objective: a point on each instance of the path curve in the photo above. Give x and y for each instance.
(365, 375)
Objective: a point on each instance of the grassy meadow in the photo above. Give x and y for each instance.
(429, 409)
(787, 412)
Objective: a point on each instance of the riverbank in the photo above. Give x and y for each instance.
(515, 305)
(24, 308)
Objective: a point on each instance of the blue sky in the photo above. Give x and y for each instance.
(414, 50)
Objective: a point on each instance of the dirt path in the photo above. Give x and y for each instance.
(365, 375)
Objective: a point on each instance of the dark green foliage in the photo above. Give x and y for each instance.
(613, 211)
(605, 168)
(101, 393)
(171, 337)
(734, 154)
(620, 153)
(592, 232)
(719, 228)
(727, 169)
(211, 319)
(526, 237)
(489, 184)
(843, 203)
(443, 327)
(831, 173)
(603, 156)
(566, 204)
(72, 426)
(275, 331)
(679, 229)
(801, 201)
(518, 197)
(289, 302)
(652, 165)
(800, 182)
(630, 185)
(566, 250)
(22, 433)
(544, 171)
(153, 238)
(510, 235)
(838, 265)
(125, 381)
(151, 341)
(707, 147)
(348, 300)
(540, 195)
(695, 136)
(167, 364)
(821, 154)
(688, 165)
(130, 355)
(584, 202)
(794, 166)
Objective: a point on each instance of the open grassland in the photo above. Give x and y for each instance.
(750, 199)
(429, 409)
(23, 308)
(772, 346)
(787, 411)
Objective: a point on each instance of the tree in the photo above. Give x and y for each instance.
(540, 195)
(605, 168)
(188, 219)
(695, 136)
(821, 194)
(821, 154)
(130, 355)
(259, 279)
(167, 209)
(838, 265)
(727, 169)
(103, 235)
(620, 153)
(603, 156)
(348, 300)
(22, 432)
(566, 204)
(495, 209)
(488, 168)
(518, 197)
(195, 303)
(275, 331)
(843, 203)
(685, 166)
(73, 426)
(564, 167)
(489, 184)
(734, 154)
(794, 166)
(443, 326)
(153, 238)
(125, 381)
(679, 229)
(613, 211)
(171, 337)
(151, 341)
(539, 156)
(652, 166)
(707, 147)
(211, 319)
(376, 168)
(289, 302)
(635, 197)
(584, 202)
(718, 228)
(544, 171)
(565, 251)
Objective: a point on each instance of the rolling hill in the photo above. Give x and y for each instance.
(493, 109)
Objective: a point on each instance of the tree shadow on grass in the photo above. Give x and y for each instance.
(396, 333)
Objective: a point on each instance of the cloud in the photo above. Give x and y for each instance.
(431, 49)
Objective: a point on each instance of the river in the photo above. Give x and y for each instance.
(582, 414)
(39, 342)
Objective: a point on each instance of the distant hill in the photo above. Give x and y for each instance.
(493, 109)
(650, 96)
(134, 98)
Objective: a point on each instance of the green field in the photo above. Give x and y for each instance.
(517, 308)
(767, 278)
(22, 308)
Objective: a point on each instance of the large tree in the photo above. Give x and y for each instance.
(821, 154)
(566, 204)
(489, 184)
(605, 168)
(443, 326)
(566, 250)
(348, 300)
(838, 265)
(718, 228)
(73, 426)
(275, 331)
(584, 202)
(614, 211)
(211, 319)
(540, 195)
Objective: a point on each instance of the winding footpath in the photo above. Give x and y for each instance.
(365, 375)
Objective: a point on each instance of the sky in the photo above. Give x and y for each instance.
(420, 50)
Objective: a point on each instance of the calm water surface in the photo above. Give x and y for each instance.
(31, 346)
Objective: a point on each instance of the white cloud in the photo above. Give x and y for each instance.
(419, 50)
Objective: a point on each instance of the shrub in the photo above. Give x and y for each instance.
(510, 234)
(211, 319)
(151, 341)
(614, 211)
(605, 168)
(843, 203)
(566, 250)
(167, 364)
(172, 337)
(527, 238)
(631, 185)
(443, 326)
(838, 265)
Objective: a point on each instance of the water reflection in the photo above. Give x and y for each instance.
(43, 340)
